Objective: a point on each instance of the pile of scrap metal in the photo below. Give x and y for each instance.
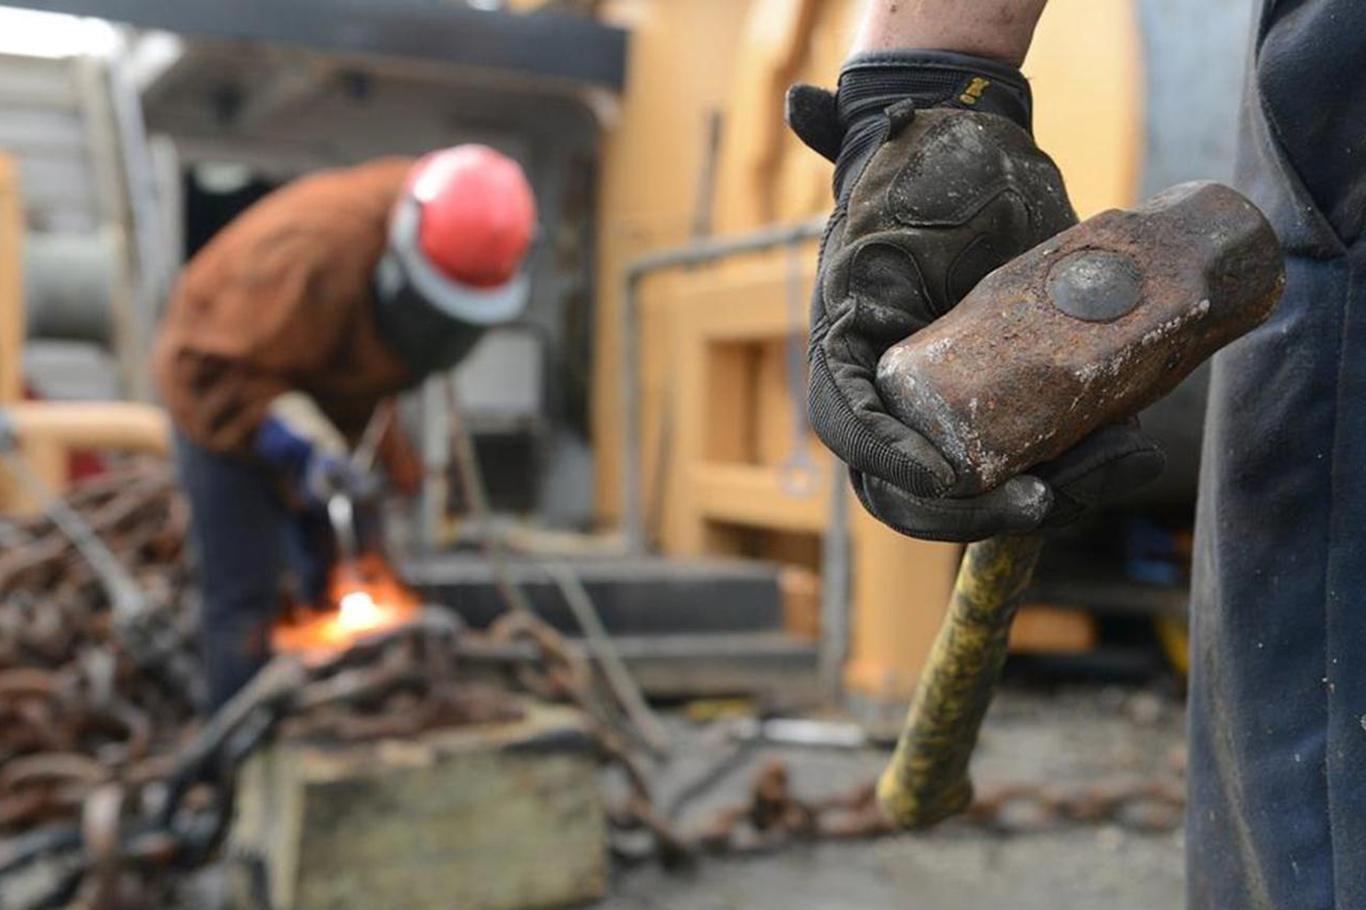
(109, 786)
(112, 789)
(77, 713)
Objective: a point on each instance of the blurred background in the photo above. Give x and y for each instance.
(643, 422)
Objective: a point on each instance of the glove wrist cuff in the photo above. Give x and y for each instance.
(871, 82)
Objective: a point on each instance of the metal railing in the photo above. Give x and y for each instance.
(835, 574)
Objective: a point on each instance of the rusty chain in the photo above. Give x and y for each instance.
(107, 781)
(774, 816)
(111, 789)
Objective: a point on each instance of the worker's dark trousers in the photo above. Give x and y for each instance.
(245, 539)
(1277, 815)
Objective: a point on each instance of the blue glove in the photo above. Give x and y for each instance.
(301, 445)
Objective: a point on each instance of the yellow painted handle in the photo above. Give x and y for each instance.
(927, 778)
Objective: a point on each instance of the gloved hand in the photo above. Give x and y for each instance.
(937, 182)
(298, 441)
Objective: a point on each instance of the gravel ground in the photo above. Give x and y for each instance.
(1066, 738)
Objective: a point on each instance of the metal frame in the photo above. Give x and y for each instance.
(628, 353)
(835, 545)
(117, 143)
(544, 44)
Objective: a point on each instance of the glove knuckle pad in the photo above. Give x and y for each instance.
(1001, 232)
(966, 192)
(886, 287)
(957, 163)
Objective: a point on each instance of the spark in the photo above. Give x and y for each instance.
(359, 611)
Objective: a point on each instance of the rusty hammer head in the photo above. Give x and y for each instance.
(1084, 331)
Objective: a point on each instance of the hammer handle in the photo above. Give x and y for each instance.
(927, 778)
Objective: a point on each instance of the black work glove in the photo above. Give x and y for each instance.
(937, 182)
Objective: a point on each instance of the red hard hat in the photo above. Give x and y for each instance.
(477, 214)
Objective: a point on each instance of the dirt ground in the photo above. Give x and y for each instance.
(1068, 738)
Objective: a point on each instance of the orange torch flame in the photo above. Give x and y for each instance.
(363, 599)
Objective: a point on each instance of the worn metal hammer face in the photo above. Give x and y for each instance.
(1080, 332)
(1084, 330)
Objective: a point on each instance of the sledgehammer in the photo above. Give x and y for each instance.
(1081, 332)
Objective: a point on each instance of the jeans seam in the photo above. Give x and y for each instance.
(1330, 560)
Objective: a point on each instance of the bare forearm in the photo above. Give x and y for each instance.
(999, 29)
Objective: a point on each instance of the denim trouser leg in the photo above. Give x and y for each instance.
(1277, 814)
(238, 523)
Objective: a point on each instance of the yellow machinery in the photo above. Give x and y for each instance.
(704, 420)
(725, 465)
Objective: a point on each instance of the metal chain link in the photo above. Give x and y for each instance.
(774, 816)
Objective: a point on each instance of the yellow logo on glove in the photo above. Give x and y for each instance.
(973, 93)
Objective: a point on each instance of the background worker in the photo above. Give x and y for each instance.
(937, 181)
(286, 332)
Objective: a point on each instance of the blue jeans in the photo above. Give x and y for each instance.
(247, 540)
(1277, 814)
